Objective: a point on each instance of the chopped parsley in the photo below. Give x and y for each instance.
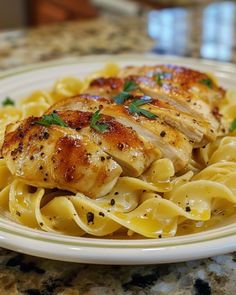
(52, 119)
(96, 125)
(160, 76)
(208, 82)
(134, 108)
(121, 97)
(8, 102)
(130, 86)
(233, 126)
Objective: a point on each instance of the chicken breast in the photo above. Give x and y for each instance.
(133, 153)
(197, 129)
(58, 157)
(187, 90)
(178, 77)
(171, 142)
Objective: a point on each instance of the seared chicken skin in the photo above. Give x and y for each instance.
(171, 142)
(58, 157)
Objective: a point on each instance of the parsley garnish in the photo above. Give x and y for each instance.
(121, 97)
(130, 86)
(134, 108)
(52, 119)
(101, 127)
(8, 102)
(160, 76)
(233, 126)
(207, 82)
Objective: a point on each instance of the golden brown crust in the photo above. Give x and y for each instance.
(69, 152)
(178, 80)
(116, 134)
(174, 144)
(55, 156)
(119, 141)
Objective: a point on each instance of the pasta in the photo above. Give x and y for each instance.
(158, 204)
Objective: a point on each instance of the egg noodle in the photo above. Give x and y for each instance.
(157, 204)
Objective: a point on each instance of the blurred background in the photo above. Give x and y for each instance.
(197, 28)
(16, 13)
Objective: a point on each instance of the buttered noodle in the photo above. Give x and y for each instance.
(157, 204)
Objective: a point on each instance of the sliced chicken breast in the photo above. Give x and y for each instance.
(185, 79)
(132, 152)
(195, 128)
(58, 157)
(187, 90)
(171, 142)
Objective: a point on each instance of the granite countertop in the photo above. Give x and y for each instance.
(100, 36)
(23, 274)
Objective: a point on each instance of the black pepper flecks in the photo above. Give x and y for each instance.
(44, 135)
(112, 202)
(120, 146)
(101, 214)
(18, 213)
(163, 133)
(187, 209)
(17, 150)
(90, 217)
(21, 135)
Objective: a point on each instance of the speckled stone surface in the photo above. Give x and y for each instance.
(22, 274)
(26, 275)
(100, 36)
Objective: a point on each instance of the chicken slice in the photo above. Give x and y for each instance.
(58, 157)
(195, 128)
(187, 90)
(189, 80)
(133, 153)
(171, 142)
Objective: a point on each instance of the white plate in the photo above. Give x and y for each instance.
(21, 82)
